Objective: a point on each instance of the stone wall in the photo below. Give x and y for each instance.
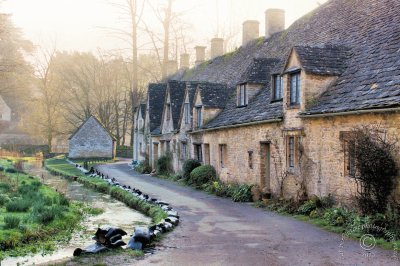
(91, 141)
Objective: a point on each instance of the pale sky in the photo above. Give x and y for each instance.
(80, 24)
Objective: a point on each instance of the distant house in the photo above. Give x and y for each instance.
(92, 140)
(5, 111)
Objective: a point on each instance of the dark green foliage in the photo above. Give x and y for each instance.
(202, 175)
(327, 202)
(188, 167)
(164, 164)
(11, 170)
(143, 167)
(11, 222)
(376, 168)
(307, 207)
(18, 205)
(4, 199)
(336, 216)
(62, 200)
(1, 168)
(241, 193)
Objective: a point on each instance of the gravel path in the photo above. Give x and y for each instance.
(217, 231)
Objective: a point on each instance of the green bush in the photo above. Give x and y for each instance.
(62, 200)
(241, 193)
(1, 168)
(143, 167)
(4, 199)
(11, 222)
(202, 175)
(188, 167)
(336, 216)
(327, 202)
(4, 187)
(164, 164)
(307, 207)
(11, 170)
(19, 205)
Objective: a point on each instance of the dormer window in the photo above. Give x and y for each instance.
(295, 88)
(199, 116)
(168, 111)
(187, 113)
(242, 95)
(278, 87)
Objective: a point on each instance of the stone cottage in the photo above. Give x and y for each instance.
(92, 140)
(294, 97)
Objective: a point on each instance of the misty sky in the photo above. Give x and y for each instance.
(80, 24)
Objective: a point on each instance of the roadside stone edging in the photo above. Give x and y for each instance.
(164, 226)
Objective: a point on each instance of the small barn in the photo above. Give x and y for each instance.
(92, 140)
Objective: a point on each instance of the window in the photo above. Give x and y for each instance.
(168, 146)
(184, 151)
(278, 87)
(242, 95)
(348, 150)
(207, 153)
(187, 113)
(199, 116)
(251, 159)
(199, 152)
(168, 111)
(293, 152)
(295, 88)
(222, 155)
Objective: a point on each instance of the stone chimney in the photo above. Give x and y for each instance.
(200, 54)
(251, 31)
(217, 47)
(274, 21)
(172, 67)
(185, 61)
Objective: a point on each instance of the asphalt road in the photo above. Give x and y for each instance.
(217, 231)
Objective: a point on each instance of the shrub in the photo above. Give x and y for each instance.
(336, 216)
(202, 175)
(376, 168)
(11, 222)
(19, 205)
(307, 207)
(143, 167)
(188, 167)
(11, 170)
(4, 187)
(1, 168)
(4, 199)
(327, 202)
(164, 164)
(46, 215)
(62, 200)
(241, 193)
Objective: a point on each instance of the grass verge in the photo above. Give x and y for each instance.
(33, 216)
(60, 166)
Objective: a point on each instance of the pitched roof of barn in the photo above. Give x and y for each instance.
(98, 122)
(156, 95)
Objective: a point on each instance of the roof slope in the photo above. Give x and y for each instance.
(369, 28)
(156, 94)
(143, 110)
(323, 60)
(214, 95)
(177, 94)
(258, 70)
(96, 121)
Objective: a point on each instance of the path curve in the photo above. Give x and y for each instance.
(217, 231)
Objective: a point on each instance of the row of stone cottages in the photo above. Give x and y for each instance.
(277, 112)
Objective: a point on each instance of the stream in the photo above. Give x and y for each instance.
(116, 214)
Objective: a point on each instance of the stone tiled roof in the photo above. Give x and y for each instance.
(323, 60)
(214, 95)
(156, 94)
(177, 94)
(258, 72)
(369, 28)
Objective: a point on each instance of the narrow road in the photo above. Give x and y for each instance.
(217, 231)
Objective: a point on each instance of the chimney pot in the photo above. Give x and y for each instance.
(217, 47)
(251, 31)
(200, 54)
(185, 61)
(172, 67)
(274, 21)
